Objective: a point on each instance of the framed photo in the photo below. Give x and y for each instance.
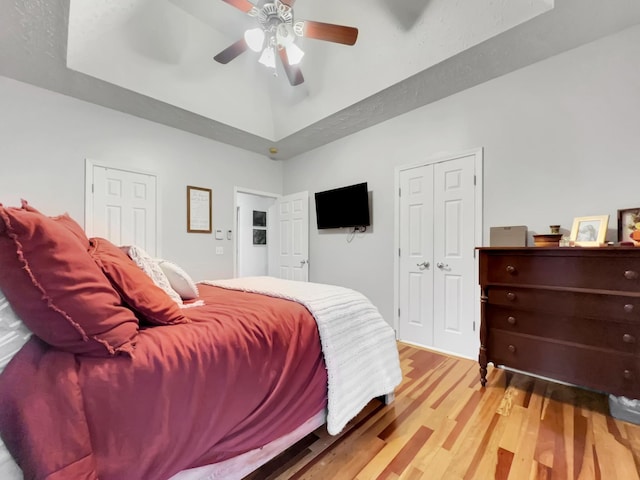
(198, 209)
(629, 225)
(259, 236)
(589, 231)
(259, 218)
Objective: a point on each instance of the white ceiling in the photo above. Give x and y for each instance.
(153, 59)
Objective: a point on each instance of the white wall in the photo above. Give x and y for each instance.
(45, 138)
(560, 140)
(252, 259)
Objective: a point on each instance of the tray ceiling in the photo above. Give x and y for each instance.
(153, 59)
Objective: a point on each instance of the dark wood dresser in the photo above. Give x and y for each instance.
(566, 313)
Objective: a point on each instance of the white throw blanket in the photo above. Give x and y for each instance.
(359, 347)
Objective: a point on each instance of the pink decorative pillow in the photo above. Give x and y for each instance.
(56, 288)
(135, 287)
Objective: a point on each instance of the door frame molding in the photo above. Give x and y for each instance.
(88, 195)
(236, 191)
(479, 222)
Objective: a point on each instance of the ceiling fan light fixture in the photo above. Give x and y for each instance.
(254, 38)
(268, 58)
(294, 54)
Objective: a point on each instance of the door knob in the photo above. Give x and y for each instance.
(303, 262)
(423, 265)
(441, 265)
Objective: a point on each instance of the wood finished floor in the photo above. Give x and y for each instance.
(443, 425)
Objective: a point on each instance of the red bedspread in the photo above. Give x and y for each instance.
(246, 371)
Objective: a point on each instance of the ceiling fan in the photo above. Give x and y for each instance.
(276, 34)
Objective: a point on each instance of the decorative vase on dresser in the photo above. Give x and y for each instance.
(570, 314)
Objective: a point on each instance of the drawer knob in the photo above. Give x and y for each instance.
(626, 338)
(511, 296)
(627, 374)
(512, 348)
(631, 275)
(511, 269)
(628, 308)
(511, 320)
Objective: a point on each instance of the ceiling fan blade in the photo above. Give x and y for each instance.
(243, 5)
(231, 52)
(330, 32)
(294, 74)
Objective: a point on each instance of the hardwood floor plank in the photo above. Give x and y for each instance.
(404, 457)
(503, 466)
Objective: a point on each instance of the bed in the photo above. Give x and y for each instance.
(116, 365)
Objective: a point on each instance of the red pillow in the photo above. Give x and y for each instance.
(56, 288)
(135, 287)
(66, 221)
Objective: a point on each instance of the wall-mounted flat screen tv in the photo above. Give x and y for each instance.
(343, 207)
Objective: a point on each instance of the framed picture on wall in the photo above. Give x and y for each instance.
(259, 218)
(589, 231)
(629, 225)
(259, 236)
(198, 209)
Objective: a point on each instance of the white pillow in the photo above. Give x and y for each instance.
(13, 333)
(180, 280)
(151, 268)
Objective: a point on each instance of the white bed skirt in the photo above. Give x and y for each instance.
(238, 467)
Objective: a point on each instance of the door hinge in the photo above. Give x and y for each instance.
(399, 192)
(398, 313)
(474, 325)
(399, 253)
(474, 179)
(92, 188)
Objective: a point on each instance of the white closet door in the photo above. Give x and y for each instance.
(123, 207)
(437, 281)
(454, 243)
(416, 255)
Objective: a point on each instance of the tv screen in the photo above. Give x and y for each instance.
(343, 207)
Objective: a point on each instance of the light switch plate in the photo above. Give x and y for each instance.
(219, 250)
(219, 235)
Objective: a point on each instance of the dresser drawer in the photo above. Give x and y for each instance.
(615, 373)
(612, 335)
(592, 271)
(567, 303)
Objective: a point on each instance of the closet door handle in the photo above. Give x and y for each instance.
(423, 265)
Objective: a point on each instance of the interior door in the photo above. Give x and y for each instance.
(416, 255)
(454, 244)
(122, 207)
(289, 250)
(436, 268)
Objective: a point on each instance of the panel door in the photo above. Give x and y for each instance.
(454, 244)
(416, 255)
(290, 249)
(437, 283)
(124, 208)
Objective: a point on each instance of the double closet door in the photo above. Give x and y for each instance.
(438, 235)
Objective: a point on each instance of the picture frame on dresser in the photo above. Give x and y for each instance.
(629, 225)
(589, 231)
